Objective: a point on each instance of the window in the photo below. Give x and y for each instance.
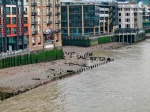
(25, 29)
(39, 40)
(14, 31)
(127, 14)
(13, 10)
(119, 14)
(135, 14)
(8, 31)
(119, 20)
(127, 25)
(33, 40)
(7, 10)
(119, 25)
(127, 20)
(25, 20)
(7, 20)
(14, 21)
(25, 10)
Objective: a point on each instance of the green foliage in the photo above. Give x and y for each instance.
(106, 39)
(42, 56)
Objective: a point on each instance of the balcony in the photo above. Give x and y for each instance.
(57, 5)
(57, 13)
(57, 22)
(49, 13)
(33, 4)
(34, 32)
(33, 14)
(49, 22)
(48, 5)
(48, 33)
(34, 22)
(58, 30)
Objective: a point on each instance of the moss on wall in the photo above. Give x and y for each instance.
(38, 57)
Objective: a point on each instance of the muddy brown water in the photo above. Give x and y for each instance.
(120, 86)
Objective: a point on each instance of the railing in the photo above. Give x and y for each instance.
(101, 34)
(33, 14)
(33, 4)
(57, 5)
(14, 53)
(34, 32)
(34, 22)
(49, 41)
(49, 22)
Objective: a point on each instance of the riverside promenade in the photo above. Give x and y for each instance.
(16, 80)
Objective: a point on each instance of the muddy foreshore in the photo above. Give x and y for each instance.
(17, 80)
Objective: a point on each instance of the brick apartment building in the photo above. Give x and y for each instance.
(14, 27)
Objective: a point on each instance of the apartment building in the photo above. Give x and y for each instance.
(45, 23)
(146, 16)
(130, 15)
(84, 18)
(14, 27)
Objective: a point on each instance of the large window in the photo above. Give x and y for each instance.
(7, 10)
(14, 21)
(13, 10)
(25, 20)
(14, 31)
(25, 29)
(7, 20)
(8, 31)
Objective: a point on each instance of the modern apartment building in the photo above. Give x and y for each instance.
(84, 18)
(14, 27)
(146, 16)
(130, 15)
(45, 23)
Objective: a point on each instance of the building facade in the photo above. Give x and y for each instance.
(146, 16)
(88, 18)
(130, 15)
(14, 27)
(45, 23)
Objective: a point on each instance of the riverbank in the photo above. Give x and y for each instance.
(16, 80)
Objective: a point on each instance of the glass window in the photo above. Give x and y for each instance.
(14, 21)
(14, 10)
(7, 20)
(8, 31)
(14, 31)
(39, 40)
(25, 10)
(25, 20)
(7, 10)
(25, 29)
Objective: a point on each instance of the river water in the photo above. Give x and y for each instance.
(120, 86)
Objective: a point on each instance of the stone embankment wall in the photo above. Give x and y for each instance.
(86, 42)
(36, 57)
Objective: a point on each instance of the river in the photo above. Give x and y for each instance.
(120, 86)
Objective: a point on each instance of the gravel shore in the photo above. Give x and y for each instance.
(29, 76)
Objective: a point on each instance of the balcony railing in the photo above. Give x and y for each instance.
(34, 22)
(33, 14)
(34, 32)
(33, 4)
(57, 13)
(48, 5)
(57, 5)
(58, 30)
(49, 22)
(57, 22)
(49, 13)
